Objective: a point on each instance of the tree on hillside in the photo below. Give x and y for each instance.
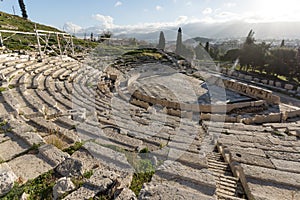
(231, 55)
(250, 38)
(105, 35)
(162, 41)
(253, 56)
(179, 44)
(283, 61)
(23, 9)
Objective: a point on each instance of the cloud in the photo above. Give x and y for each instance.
(230, 4)
(158, 8)
(107, 21)
(207, 11)
(181, 19)
(189, 3)
(118, 3)
(71, 27)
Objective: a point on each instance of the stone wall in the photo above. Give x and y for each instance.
(257, 119)
(194, 107)
(279, 85)
(248, 90)
(291, 114)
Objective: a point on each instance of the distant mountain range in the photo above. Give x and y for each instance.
(270, 30)
(224, 30)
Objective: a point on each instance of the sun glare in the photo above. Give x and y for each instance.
(287, 10)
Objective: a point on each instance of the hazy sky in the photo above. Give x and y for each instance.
(111, 14)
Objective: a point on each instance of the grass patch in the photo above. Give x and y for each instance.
(3, 123)
(144, 170)
(11, 86)
(278, 133)
(88, 174)
(2, 89)
(11, 78)
(74, 148)
(3, 128)
(144, 150)
(39, 188)
(141, 163)
(138, 180)
(56, 141)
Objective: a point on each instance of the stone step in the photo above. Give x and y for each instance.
(12, 148)
(28, 167)
(178, 175)
(109, 157)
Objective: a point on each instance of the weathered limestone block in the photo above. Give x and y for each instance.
(260, 103)
(275, 99)
(29, 166)
(248, 78)
(32, 138)
(7, 179)
(186, 177)
(278, 84)
(264, 183)
(86, 159)
(271, 175)
(264, 81)
(109, 157)
(174, 112)
(52, 154)
(256, 80)
(125, 194)
(273, 117)
(9, 149)
(203, 108)
(283, 155)
(120, 140)
(84, 192)
(70, 167)
(288, 86)
(267, 191)
(140, 103)
(235, 74)
(241, 76)
(219, 108)
(229, 140)
(271, 83)
(102, 180)
(292, 114)
(164, 191)
(284, 165)
(62, 186)
(241, 157)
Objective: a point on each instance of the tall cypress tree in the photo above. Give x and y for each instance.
(207, 47)
(92, 36)
(282, 43)
(179, 42)
(23, 9)
(162, 41)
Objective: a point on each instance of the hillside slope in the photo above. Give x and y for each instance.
(13, 22)
(29, 42)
